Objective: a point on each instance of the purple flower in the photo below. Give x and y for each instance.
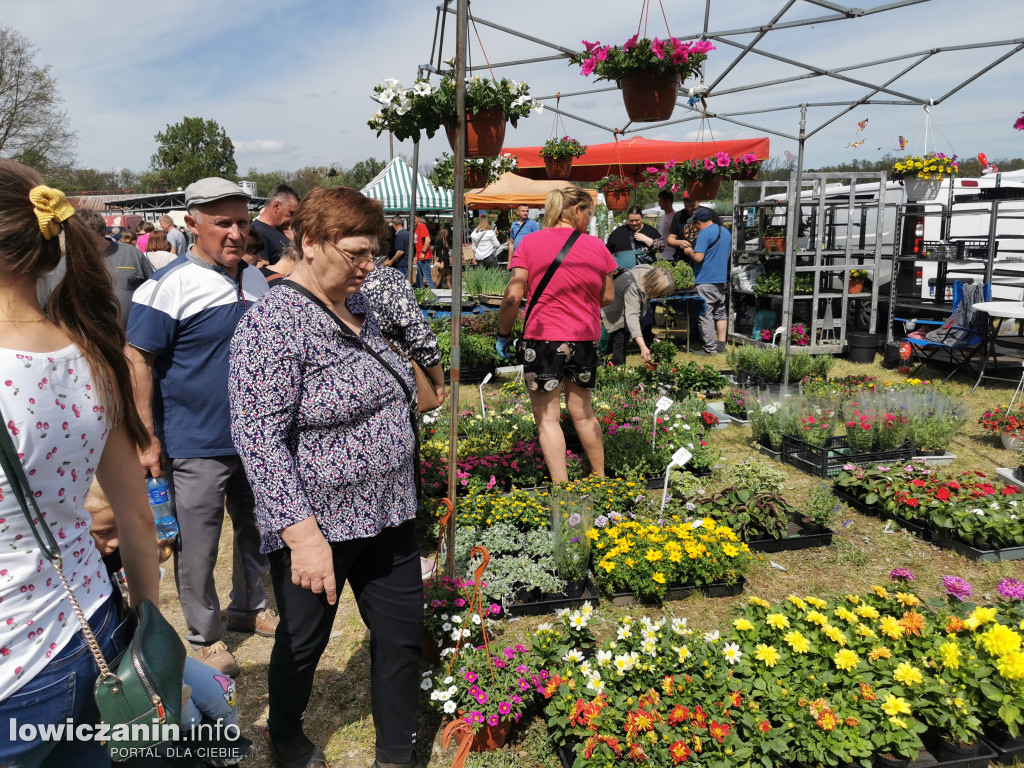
(1011, 589)
(481, 698)
(901, 574)
(492, 720)
(504, 708)
(523, 685)
(601, 521)
(575, 519)
(474, 690)
(470, 677)
(957, 587)
(475, 717)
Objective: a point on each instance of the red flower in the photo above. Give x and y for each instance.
(765, 726)
(943, 494)
(679, 751)
(918, 482)
(1009, 490)
(911, 501)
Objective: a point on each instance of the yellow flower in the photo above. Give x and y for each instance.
(855, 599)
(767, 654)
(797, 642)
(950, 653)
(777, 621)
(972, 623)
(895, 705)
(907, 599)
(846, 615)
(658, 577)
(759, 602)
(797, 602)
(608, 565)
(654, 555)
(846, 660)
(867, 612)
(984, 615)
(882, 592)
(834, 634)
(898, 721)
(865, 631)
(730, 550)
(743, 625)
(891, 627)
(999, 640)
(908, 674)
(880, 653)
(817, 602)
(1011, 666)
(816, 618)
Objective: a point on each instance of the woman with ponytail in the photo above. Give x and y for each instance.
(67, 403)
(562, 330)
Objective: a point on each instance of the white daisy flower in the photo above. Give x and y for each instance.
(732, 653)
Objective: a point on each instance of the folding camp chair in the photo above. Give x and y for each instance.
(961, 335)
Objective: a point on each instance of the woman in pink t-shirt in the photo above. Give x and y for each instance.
(560, 341)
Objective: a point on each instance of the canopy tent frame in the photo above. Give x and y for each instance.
(840, 12)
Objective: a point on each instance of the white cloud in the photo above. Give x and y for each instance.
(259, 146)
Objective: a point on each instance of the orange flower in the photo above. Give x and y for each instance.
(668, 685)
(591, 744)
(735, 698)
(853, 722)
(765, 726)
(699, 716)
(639, 721)
(956, 624)
(912, 622)
(867, 692)
(678, 714)
(818, 707)
(828, 721)
(636, 753)
(719, 731)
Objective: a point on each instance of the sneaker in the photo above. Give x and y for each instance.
(702, 353)
(263, 623)
(219, 657)
(721, 347)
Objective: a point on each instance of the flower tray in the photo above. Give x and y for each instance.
(683, 591)
(1005, 746)
(533, 602)
(567, 754)
(827, 460)
(769, 451)
(470, 375)
(802, 534)
(927, 758)
(925, 533)
(917, 529)
(935, 460)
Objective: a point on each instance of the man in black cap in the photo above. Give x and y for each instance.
(710, 257)
(179, 331)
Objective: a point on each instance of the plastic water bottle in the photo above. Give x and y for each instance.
(163, 508)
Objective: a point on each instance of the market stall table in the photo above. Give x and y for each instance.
(998, 312)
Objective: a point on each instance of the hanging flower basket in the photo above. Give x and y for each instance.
(649, 97)
(485, 132)
(617, 201)
(704, 189)
(920, 190)
(487, 738)
(475, 177)
(558, 167)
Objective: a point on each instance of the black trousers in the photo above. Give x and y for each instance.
(385, 577)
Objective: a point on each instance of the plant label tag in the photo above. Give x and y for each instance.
(696, 524)
(773, 564)
(680, 457)
(663, 404)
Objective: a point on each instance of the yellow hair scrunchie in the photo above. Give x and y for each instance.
(51, 208)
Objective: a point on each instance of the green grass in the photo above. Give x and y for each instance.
(339, 713)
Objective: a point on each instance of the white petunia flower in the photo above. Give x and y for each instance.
(427, 684)
(404, 106)
(449, 707)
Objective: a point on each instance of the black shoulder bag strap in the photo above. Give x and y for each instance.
(549, 274)
(410, 397)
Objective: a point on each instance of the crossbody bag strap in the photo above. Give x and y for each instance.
(15, 474)
(409, 397)
(573, 237)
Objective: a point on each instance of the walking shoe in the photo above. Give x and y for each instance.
(702, 353)
(314, 757)
(263, 623)
(721, 347)
(219, 657)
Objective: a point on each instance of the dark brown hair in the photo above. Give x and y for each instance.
(83, 304)
(327, 215)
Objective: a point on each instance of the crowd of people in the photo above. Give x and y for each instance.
(264, 368)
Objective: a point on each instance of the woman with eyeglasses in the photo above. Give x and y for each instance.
(323, 421)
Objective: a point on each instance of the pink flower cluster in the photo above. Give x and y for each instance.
(675, 50)
(1019, 125)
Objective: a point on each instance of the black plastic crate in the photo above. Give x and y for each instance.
(957, 250)
(828, 460)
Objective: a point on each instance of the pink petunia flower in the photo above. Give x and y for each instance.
(588, 66)
(630, 44)
(658, 48)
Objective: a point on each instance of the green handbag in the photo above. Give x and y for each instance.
(143, 687)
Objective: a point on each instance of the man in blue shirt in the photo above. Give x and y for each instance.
(179, 330)
(400, 259)
(710, 256)
(521, 228)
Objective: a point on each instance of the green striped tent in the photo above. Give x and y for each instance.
(393, 186)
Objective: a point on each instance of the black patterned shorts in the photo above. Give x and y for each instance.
(546, 363)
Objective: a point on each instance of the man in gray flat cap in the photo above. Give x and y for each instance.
(181, 323)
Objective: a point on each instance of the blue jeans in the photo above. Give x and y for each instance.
(423, 275)
(63, 689)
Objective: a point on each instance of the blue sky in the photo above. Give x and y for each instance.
(291, 80)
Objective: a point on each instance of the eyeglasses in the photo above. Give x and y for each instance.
(359, 262)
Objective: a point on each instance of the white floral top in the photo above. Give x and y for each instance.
(59, 428)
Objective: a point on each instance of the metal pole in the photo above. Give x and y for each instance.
(793, 209)
(458, 207)
(413, 265)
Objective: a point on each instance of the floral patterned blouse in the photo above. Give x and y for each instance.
(59, 428)
(399, 316)
(321, 426)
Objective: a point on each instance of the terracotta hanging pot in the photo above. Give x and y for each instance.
(856, 284)
(617, 201)
(649, 97)
(558, 168)
(748, 175)
(476, 177)
(485, 132)
(704, 190)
